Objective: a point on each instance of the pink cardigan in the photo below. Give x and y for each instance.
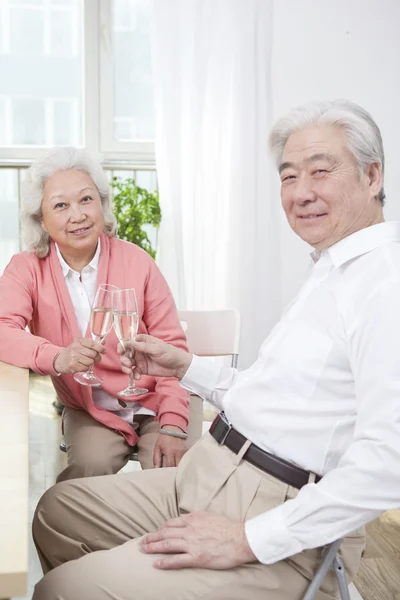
(33, 292)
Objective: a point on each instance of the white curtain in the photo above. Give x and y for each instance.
(219, 235)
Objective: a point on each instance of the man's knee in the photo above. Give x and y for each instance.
(64, 583)
(50, 515)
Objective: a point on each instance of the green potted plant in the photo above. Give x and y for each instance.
(135, 208)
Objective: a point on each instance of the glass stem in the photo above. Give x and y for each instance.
(132, 383)
(89, 372)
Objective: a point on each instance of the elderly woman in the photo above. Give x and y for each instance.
(69, 231)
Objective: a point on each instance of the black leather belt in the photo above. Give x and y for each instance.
(223, 432)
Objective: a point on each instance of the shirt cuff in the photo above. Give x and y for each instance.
(269, 537)
(169, 418)
(201, 378)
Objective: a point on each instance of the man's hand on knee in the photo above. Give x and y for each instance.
(201, 539)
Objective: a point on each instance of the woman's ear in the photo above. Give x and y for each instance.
(43, 226)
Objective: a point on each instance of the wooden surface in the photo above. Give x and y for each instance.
(14, 480)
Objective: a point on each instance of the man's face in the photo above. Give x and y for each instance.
(324, 195)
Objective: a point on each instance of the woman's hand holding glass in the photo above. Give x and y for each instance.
(81, 354)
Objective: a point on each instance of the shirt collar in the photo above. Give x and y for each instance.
(94, 263)
(359, 243)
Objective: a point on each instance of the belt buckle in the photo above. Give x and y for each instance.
(222, 429)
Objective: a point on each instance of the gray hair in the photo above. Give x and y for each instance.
(363, 136)
(58, 159)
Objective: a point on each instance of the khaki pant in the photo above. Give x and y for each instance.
(94, 449)
(87, 534)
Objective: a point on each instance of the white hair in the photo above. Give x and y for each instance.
(58, 159)
(363, 136)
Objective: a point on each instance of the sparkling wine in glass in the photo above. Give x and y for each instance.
(100, 326)
(126, 323)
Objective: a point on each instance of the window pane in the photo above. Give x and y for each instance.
(28, 130)
(61, 33)
(133, 89)
(3, 121)
(64, 123)
(27, 27)
(41, 65)
(9, 227)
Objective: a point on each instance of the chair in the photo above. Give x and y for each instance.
(210, 333)
(330, 560)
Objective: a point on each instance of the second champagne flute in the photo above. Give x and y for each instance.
(100, 326)
(126, 324)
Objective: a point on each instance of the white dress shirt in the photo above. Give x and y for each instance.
(82, 290)
(324, 394)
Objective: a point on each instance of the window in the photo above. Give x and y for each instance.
(76, 73)
(73, 72)
(128, 112)
(41, 70)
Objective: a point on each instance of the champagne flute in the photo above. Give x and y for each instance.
(100, 326)
(126, 324)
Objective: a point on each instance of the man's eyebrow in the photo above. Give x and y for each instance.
(285, 165)
(313, 158)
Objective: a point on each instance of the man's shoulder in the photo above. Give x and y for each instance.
(379, 264)
(375, 272)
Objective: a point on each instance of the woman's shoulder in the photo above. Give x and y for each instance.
(25, 260)
(130, 250)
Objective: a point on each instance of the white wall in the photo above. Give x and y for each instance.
(325, 49)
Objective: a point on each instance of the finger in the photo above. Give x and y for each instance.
(169, 546)
(157, 456)
(146, 344)
(120, 350)
(92, 344)
(88, 352)
(126, 362)
(126, 370)
(145, 337)
(164, 533)
(86, 362)
(175, 561)
(176, 522)
(169, 459)
(178, 457)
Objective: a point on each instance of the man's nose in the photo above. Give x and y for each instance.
(303, 191)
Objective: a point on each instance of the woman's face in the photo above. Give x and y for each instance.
(72, 213)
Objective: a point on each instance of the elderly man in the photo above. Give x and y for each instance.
(307, 448)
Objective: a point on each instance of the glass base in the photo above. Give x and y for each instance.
(88, 379)
(131, 392)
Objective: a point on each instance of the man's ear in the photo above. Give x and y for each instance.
(374, 175)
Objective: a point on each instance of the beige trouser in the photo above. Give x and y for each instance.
(94, 449)
(87, 534)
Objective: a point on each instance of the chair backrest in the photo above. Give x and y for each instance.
(212, 332)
